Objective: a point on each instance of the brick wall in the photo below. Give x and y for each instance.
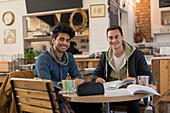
(143, 18)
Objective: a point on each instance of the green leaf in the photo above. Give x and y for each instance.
(30, 54)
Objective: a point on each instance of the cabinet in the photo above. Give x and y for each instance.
(165, 17)
(161, 78)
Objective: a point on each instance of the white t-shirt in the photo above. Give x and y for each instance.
(118, 61)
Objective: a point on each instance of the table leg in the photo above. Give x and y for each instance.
(106, 107)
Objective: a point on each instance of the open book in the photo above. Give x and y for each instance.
(131, 90)
(115, 84)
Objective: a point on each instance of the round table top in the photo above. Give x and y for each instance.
(105, 99)
(102, 98)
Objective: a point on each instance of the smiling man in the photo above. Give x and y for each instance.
(55, 64)
(123, 62)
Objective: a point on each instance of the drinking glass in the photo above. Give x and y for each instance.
(143, 80)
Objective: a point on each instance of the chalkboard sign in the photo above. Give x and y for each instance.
(34, 6)
(164, 3)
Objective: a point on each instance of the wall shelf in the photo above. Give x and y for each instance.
(37, 39)
(82, 36)
(161, 33)
(48, 38)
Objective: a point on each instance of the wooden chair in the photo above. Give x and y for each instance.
(34, 95)
(7, 101)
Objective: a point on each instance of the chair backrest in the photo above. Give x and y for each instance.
(34, 95)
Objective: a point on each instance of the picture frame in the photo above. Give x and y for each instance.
(9, 36)
(97, 10)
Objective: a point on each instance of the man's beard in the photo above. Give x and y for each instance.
(59, 49)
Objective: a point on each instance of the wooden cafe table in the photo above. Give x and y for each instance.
(105, 100)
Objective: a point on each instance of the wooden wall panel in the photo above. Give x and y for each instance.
(156, 77)
(168, 78)
(164, 72)
(161, 76)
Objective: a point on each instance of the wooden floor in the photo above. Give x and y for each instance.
(148, 110)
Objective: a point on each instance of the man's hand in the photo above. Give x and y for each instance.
(78, 81)
(128, 79)
(101, 80)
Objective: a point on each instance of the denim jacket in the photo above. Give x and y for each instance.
(47, 67)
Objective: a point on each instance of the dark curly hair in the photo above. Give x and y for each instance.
(62, 28)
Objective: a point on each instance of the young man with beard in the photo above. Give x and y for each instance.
(121, 62)
(55, 64)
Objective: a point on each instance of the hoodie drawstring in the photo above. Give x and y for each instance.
(127, 69)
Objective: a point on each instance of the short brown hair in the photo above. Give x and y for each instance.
(113, 28)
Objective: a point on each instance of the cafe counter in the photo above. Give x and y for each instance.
(161, 79)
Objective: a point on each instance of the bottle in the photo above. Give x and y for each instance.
(165, 21)
(144, 40)
(19, 61)
(12, 62)
(16, 64)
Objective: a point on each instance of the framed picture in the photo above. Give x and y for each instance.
(97, 10)
(9, 36)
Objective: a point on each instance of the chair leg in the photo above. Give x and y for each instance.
(153, 109)
(106, 108)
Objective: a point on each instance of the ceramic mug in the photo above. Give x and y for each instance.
(68, 86)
